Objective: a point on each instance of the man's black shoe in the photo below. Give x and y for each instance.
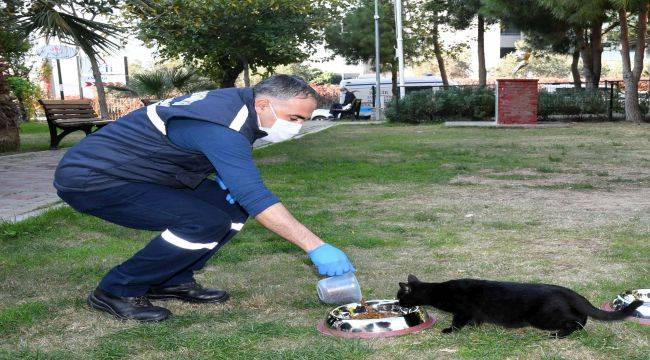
(137, 308)
(190, 292)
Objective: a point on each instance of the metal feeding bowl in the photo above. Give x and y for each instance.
(385, 318)
(642, 313)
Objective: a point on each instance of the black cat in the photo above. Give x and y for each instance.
(471, 301)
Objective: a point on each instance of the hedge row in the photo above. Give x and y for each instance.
(477, 103)
(427, 106)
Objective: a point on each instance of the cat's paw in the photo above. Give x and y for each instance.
(447, 330)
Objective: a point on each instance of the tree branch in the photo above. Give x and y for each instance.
(611, 27)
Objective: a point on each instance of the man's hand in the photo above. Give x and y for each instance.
(330, 261)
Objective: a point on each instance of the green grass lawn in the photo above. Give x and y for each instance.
(568, 206)
(35, 136)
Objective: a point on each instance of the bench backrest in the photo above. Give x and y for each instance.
(68, 109)
(147, 102)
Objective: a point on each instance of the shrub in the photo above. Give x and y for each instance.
(27, 94)
(427, 106)
(572, 102)
(327, 78)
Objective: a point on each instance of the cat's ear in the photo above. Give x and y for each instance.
(413, 279)
(406, 288)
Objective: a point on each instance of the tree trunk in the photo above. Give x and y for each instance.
(99, 85)
(575, 72)
(482, 72)
(631, 75)
(247, 78)
(9, 116)
(441, 62)
(591, 51)
(393, 79)
(228, 76)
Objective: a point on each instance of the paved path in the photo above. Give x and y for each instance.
(26, 179)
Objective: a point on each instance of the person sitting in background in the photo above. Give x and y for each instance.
(345, 104)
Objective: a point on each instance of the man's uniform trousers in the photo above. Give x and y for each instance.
(194, 224)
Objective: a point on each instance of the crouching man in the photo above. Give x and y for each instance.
(148, 170)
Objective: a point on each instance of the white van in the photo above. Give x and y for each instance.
(362, 87)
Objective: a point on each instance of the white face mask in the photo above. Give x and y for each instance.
(281, 130)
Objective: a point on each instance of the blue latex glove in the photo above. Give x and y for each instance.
(330, 261)
(223, 186)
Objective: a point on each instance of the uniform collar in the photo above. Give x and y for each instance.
(254, 119)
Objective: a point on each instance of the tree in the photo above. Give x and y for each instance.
(13, 46)
(14, 41)
(222, 38)
(461, 13)
(163, 83)
(587, 19)
(543, 32)
(631, 75)
(563, 26)
(66, 20)
(437, 11)
(9, 116)
(353, 37)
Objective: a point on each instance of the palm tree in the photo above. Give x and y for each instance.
(46, 18)
(9, 116)
(163, 83)
(9, 113)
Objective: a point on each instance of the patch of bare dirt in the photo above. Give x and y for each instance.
(557, 235)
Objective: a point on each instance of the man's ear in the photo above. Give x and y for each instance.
(406, 288)
(412, 279)
(261, 103)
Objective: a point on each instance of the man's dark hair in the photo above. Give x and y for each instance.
(284, 87)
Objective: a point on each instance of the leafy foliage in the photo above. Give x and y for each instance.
(163, 83)
(328, 78)
(220, 37)
(426, 106)
(353, 37)
(92, 36)
(27, 93)
(14, 41)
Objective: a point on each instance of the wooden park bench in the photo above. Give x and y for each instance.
(69, 116)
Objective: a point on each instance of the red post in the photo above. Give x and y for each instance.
(516, 101)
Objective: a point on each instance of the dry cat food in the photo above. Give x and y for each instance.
(365, 311)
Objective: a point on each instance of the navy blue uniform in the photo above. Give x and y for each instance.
(148, 171)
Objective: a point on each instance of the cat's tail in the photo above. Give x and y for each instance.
(583, 306)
